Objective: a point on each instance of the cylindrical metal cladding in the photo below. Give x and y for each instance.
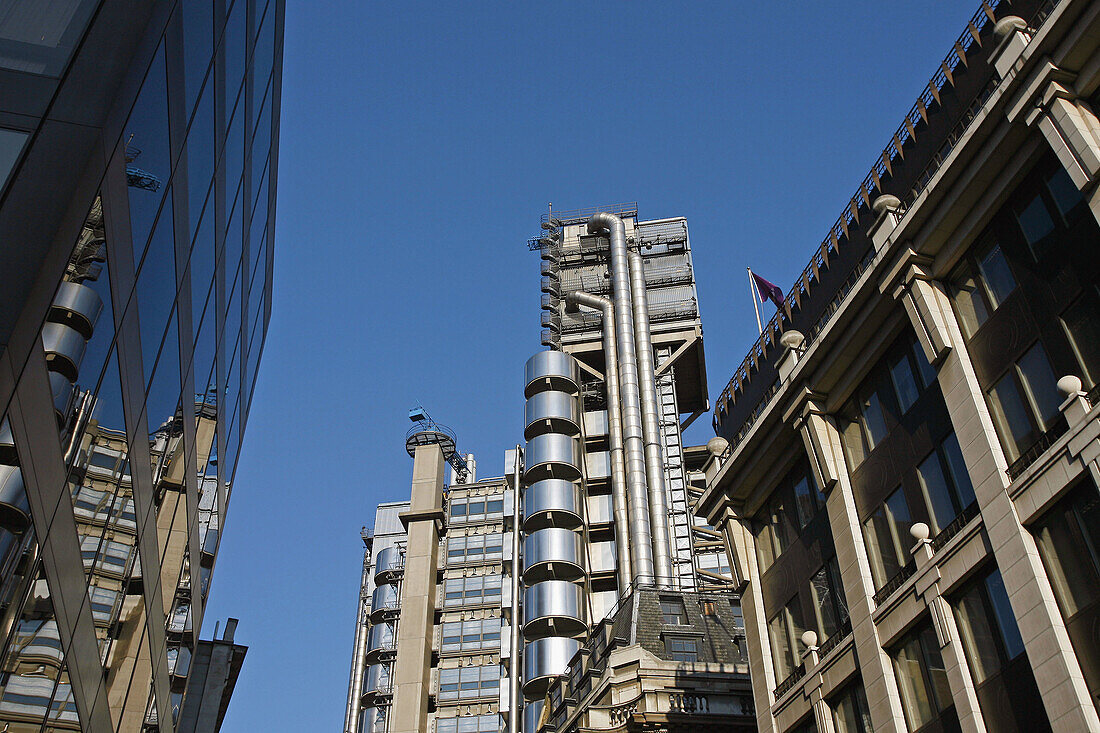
(641, 551)
(651, 425)
(614, 433)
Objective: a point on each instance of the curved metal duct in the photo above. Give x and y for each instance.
(552, 455)
(388, 565)
(614, 433)
(545, 659)
(551, 412)
(553, 608)
(551, 370)
(651, 425)
(633, 449)
(552, 503)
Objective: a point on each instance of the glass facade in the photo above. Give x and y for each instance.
(118, 447)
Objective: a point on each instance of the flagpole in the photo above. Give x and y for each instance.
(755, 300)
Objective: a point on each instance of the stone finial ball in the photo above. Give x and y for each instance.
(919, 531)
(809, 638)
(885, 202)
(717, 445)
(1008, 25)
(1069, 385)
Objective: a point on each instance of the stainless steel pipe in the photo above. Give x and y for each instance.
(614, 431)
(651, 425)
(641, 550)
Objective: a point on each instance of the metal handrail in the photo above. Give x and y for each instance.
(907, 570)
(1036, 449)
(955, 526)
(843, 632)
(788, 684)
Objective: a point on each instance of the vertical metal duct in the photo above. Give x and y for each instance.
(614, 431)
(355, 685)
(513, 666)
(634, 457)
(651, 426)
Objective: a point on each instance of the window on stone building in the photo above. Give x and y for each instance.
(922, 679)
(945, 484)
(682, 650)
(1068, 536)
(886, 533)
(850, 712)
(785, 631)
(827, 600)
(891, 388)
(793, 504)
(1025, 401)
(673, 612)
(988, 628)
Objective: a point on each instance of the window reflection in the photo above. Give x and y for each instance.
(148, 158)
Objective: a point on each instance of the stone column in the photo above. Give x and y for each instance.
(412, 672)
(823, 445)
(1057, 672)
(927, 587)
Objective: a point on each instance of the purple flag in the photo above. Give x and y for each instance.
(768, 291)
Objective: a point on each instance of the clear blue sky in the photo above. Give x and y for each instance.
(420, 143)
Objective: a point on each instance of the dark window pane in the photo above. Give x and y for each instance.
(969, 301)
(905, 384)
(1035, 223)
(1012, 415)
(997, 275)
(1006, 620)
(956, 467)
(1082, 324)
(937, 493)
(875, 423)
(1041, 384)
(1064, 191)
(886, 532)
(805, 499)
(200, 158)
(156, 287)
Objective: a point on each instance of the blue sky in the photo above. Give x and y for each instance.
(420, 143)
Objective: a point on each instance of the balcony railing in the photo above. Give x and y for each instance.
(788, 684)
(895, 582)
(842, 633)
(955, 527)
(1038, 448)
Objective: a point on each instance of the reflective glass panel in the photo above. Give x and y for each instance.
(38, 37)
(11, 145)
(148, 157)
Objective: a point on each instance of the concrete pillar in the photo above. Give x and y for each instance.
(412, 673)
(1049, 103)
(947, 633)
(1057, 672)
(743, 549)
(823, 445)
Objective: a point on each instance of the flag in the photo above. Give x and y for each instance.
(768, 291)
